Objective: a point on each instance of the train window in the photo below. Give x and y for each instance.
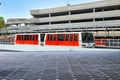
(48, 37)
(75, 37)
(67, 37)
(26, 37)
(36, 37)
(54, 37)
(87, 38)
(51, 37)
(17, 37)
(61, 37)
(42, 36)
(31, 37)
(71, 37)
(22, 37)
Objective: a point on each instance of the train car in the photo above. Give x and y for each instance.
(70, 39)
(66, 41)
(31, 39)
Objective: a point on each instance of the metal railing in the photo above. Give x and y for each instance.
(107, 42)
(113, 42)
(7, 41)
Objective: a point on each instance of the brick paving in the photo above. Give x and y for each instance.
(83, 65)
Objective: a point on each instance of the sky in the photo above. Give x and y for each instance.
(21, 8)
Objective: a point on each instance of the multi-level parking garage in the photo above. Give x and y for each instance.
(101, 17)
(90, 12)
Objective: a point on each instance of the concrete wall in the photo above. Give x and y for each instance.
(76, 7)
(17, 22)
(77, 16)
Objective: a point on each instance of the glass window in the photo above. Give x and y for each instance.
(75, 37)
(31, 37)
(21, 37)
(17, 37)
(54, 37)
(42, 36)
(26, 37)
(67, 37)
(60, 37)
(87, 38)
(36, 37)
(71, 37)
(51, 37)
(48, 37)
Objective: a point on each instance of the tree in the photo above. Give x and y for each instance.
(2, 22)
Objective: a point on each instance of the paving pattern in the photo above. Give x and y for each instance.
(83, 65)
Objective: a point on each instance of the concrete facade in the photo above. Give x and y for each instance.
(17, 22)
(89, 12)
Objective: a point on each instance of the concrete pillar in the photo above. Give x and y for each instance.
(49, 14)
(69, 21)
(69, 13)
(49, 23)
(93, 10)
(102, 10)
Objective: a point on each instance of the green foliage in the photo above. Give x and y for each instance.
(2, 22)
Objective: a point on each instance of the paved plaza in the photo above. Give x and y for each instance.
(82, 65)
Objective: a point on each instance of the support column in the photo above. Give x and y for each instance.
(93, 10)
(49, 17)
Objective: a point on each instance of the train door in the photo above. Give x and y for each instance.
(42, 39)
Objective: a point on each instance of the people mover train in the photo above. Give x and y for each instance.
(82, 39)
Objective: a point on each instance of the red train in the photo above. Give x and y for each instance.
(56, 39)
